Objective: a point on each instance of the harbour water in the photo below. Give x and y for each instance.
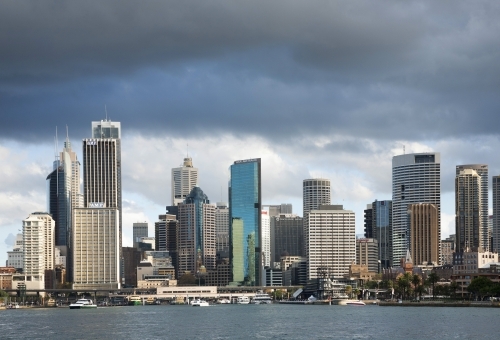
(251, 322)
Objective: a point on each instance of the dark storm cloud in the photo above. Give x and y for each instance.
(385, 70)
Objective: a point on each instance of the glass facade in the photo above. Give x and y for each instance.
(382, 221)
(237, 266)
(245, 204)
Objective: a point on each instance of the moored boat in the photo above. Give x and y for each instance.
(134, 300)
(199, 303)
(82, 303)
(243, 300)
(261, 299)
(352, 303)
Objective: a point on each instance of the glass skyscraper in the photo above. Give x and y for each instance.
(245, 203)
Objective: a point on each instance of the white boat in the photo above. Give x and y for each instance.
(243, 300)
(354, 303)
(82, 303)
(262, 299)
(224, 301)
(199, 303)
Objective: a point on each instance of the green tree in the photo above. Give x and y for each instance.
(453, 289)
(480, 286)
(187, 279)
(416, 282)
(348, 290)
(433, 278)
(403, 282)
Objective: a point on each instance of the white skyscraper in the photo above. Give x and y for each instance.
(266, 239)
(315, 192)
(184, 179)
(332, 241)
(416, 178)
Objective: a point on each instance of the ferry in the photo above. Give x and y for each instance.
(150, 301)
(261, 299)
(51, 303)
(243, 300)
(134, 300)
(82, 303)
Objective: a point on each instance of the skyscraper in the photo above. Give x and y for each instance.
(196, 237)
(139, 229)
(184, 179)
(482, 171)
(266, 239)
(424, 233)
(222, 229)
(287, 236)
(245, 203)
(315, 192)
(382, 231)
(468, 210)
(332, 241)
(416, 178)
(97, 227)
(496, 214)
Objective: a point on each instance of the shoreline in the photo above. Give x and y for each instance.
(439, 304)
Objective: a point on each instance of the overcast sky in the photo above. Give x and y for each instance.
(328, 89)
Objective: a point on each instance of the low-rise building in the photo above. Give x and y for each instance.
(466, 267)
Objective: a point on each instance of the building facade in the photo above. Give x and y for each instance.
(332, 241)
(424, 236)
(482, 171)
(287, 236)
(266, 239)
(468, 210)
(382, 231)
(139, 229)
(367, 254)
(222, 229)
(184, 179)
(315, 192)
(245, 203)
(416, 178)
(495, 228)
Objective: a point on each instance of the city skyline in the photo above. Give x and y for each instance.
(315, 90)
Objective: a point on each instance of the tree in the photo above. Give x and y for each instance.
(480, 286)
(433, 278)
(453, 289)
(186, 279)
(403, 283)
(416, 281)
(348, 290)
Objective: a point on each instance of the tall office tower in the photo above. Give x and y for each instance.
(245, 203)
(332, 241)
(382, 231)
(166, 236)
(287, 236)
(424, 236)
(184, 179)
(222, 229)
(416, 178)
(367, 254)
(97, 227)
(96, 249)
(266, 239)
(237, 252)
(38, 248)
(496, 214)
(368, 221)
(196, 237)
(139, 229)
(482, 171)
(468, 210)
(15, 257)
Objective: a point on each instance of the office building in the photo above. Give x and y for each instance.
(482, 171)
(447, 249)
(287, 236)
(96, 248)
(15, 257)
(332, 241)
(495, 230)
(468, 210)
(368, 221)
(184, 179)
(416, 178)
(382, 231)
(196, 235)
(245, 202)
(222, 229)
(139, 229)
(276, 210)
(424, 236)
(237, 255)
(367, 254)
(315, 192)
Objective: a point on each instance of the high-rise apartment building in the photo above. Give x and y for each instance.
(97, 227)
(468, 211)
(196, 235)
(184, 179)
(482, 171)
(139, 229)
(332, 241)
(245, 203)
(416, 178)
(424, 236)
(495, 229)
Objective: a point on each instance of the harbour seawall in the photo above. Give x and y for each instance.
(440, 304)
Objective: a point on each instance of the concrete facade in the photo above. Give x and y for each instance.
(424, 235)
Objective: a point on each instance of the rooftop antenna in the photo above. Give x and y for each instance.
(187, 147)
(106, 110)
(404, 151)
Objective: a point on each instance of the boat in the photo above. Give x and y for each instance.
(243, 300)
(150, 301)
(354, 303)
(261, 299)
(199, 303)
(224, 301)
(134, 300)
(82, 303)
(51, 303)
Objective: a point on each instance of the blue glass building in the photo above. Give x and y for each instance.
(382, 231)
(245, 203)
